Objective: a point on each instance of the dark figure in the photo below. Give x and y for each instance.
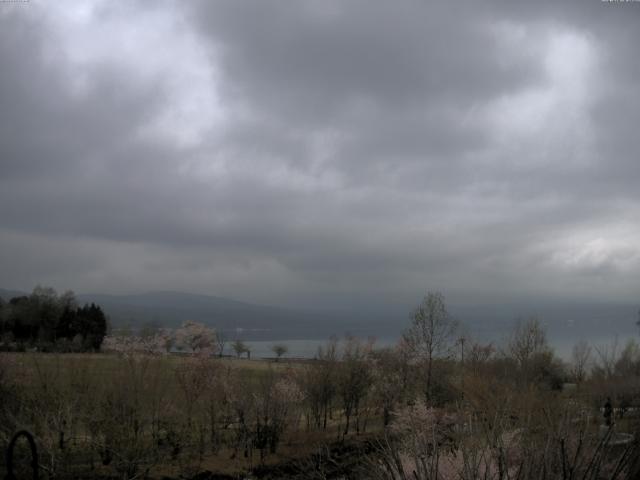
(608, 412)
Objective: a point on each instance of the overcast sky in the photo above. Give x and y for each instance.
(307, 152)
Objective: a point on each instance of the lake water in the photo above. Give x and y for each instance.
(296, 348)
(308, 348)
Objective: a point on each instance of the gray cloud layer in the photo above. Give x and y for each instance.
(317, 150)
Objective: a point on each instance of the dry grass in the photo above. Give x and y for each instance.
(68, 392)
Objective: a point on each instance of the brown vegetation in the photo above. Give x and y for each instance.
(413, 411)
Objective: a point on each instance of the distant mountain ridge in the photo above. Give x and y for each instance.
(565, 322)
(233, 317)
(169, 308)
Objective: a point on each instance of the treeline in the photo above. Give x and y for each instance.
(50, 322)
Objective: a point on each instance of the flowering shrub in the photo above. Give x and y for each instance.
(191, 337)
(157, 344)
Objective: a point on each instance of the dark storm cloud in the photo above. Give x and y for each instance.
(273, 151)
(326, 55)
(45, 128)
(381, 77)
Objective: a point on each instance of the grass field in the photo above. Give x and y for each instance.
(134, 416)
(159, 415)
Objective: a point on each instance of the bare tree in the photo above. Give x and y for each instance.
(607, 356)
(527, 341)
(239, 347)
(279, 349)
(391, 374)
(192, 376)
(431, 333)
(355, 378)
(628, 362)
(580, 357)
(276, 399)
(478, 356)
(318, 382)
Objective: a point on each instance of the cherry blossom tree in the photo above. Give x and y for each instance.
(196, 337)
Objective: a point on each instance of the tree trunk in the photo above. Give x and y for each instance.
(346, 428)
(324, 425)
(428, 387)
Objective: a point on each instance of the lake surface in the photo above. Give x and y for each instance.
(296, 348)
(308, 348)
